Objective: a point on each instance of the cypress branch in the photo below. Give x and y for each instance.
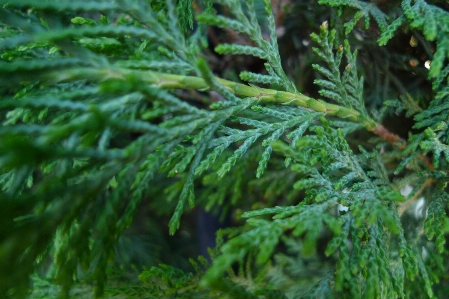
(104, 107)
(118, 76)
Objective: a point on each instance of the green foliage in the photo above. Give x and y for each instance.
(246, 22)
(113, 108)
(345, 89)
(420, 15)
(365, 11)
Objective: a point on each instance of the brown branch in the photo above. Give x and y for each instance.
(398, 142)
(386, 135)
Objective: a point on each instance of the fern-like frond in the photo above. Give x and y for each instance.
(435, 136)
(347, 88)
(339, 180)
(246, 22)
(74, 142)
(364, 10)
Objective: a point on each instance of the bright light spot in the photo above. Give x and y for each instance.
(427, 64)
(406, 190)
(342, 208)
(413, 42)
(419, 208)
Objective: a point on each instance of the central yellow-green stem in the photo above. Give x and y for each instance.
(169, 81)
